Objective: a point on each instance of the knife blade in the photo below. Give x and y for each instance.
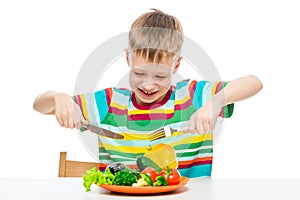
(103, 132)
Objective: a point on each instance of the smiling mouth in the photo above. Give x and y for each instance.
(147, 93)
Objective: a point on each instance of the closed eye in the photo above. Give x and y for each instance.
(161, 77)
(139, 74)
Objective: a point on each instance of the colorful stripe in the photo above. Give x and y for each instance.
(155, 116)
(117, 110)
(183, 106)
(227, 110)
(154, 111)
(197, 171)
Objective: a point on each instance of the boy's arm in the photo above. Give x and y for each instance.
(239, 89)
(45, 103)
(68, 113)
(205, 118)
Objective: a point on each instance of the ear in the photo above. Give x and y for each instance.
(127, 59)
(177, 64)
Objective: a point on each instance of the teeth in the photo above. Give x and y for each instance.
(148, 92)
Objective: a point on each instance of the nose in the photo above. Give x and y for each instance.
(149, 86)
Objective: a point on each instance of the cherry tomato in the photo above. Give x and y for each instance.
(171, 175)
(151, 173)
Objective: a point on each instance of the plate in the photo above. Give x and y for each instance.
(146, 190)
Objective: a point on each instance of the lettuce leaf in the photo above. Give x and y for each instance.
(95, 176)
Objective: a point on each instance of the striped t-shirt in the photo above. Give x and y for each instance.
(117, 110)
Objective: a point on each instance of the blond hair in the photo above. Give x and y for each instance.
(156, 34)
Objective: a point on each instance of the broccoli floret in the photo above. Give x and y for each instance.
(143, 181)
(160, 181)
(125, 177)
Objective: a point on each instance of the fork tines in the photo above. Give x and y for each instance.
(157, 135)
(166, 131)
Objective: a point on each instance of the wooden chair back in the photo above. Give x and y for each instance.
(70, 168)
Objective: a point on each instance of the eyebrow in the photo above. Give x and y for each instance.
(156, 72)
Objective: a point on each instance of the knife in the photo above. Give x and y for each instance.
(103, 132)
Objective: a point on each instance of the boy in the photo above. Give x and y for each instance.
(155, 40)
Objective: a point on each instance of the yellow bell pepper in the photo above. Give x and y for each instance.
(163, 155)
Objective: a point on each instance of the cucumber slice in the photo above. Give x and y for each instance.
(144, 162)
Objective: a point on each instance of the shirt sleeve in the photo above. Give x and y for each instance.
(204, 90)
(93, 105)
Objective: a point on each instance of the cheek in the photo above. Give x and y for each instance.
(133, 82)
(165, 83)
(163, 88)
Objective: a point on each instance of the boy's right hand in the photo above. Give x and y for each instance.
(67, 112)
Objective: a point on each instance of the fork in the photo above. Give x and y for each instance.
(165, 131)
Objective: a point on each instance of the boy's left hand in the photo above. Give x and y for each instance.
(205, 118)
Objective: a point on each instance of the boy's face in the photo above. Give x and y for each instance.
(151, 81)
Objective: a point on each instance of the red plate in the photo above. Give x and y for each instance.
(146, 190)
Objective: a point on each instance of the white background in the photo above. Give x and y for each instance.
(44, 44)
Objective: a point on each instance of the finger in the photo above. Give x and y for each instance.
(199, 127)
(186, 131)
(77, 117)
(206, 126)
(77, 124)
(189, 131)
(213, 123)
(77, 121)
(65, 121)
(59, 119)
(71, 122)
(191, 126)
(83, 120)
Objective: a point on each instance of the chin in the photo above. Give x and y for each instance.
(147, 101)
(144, 99)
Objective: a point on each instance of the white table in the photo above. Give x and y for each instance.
(206, 189)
